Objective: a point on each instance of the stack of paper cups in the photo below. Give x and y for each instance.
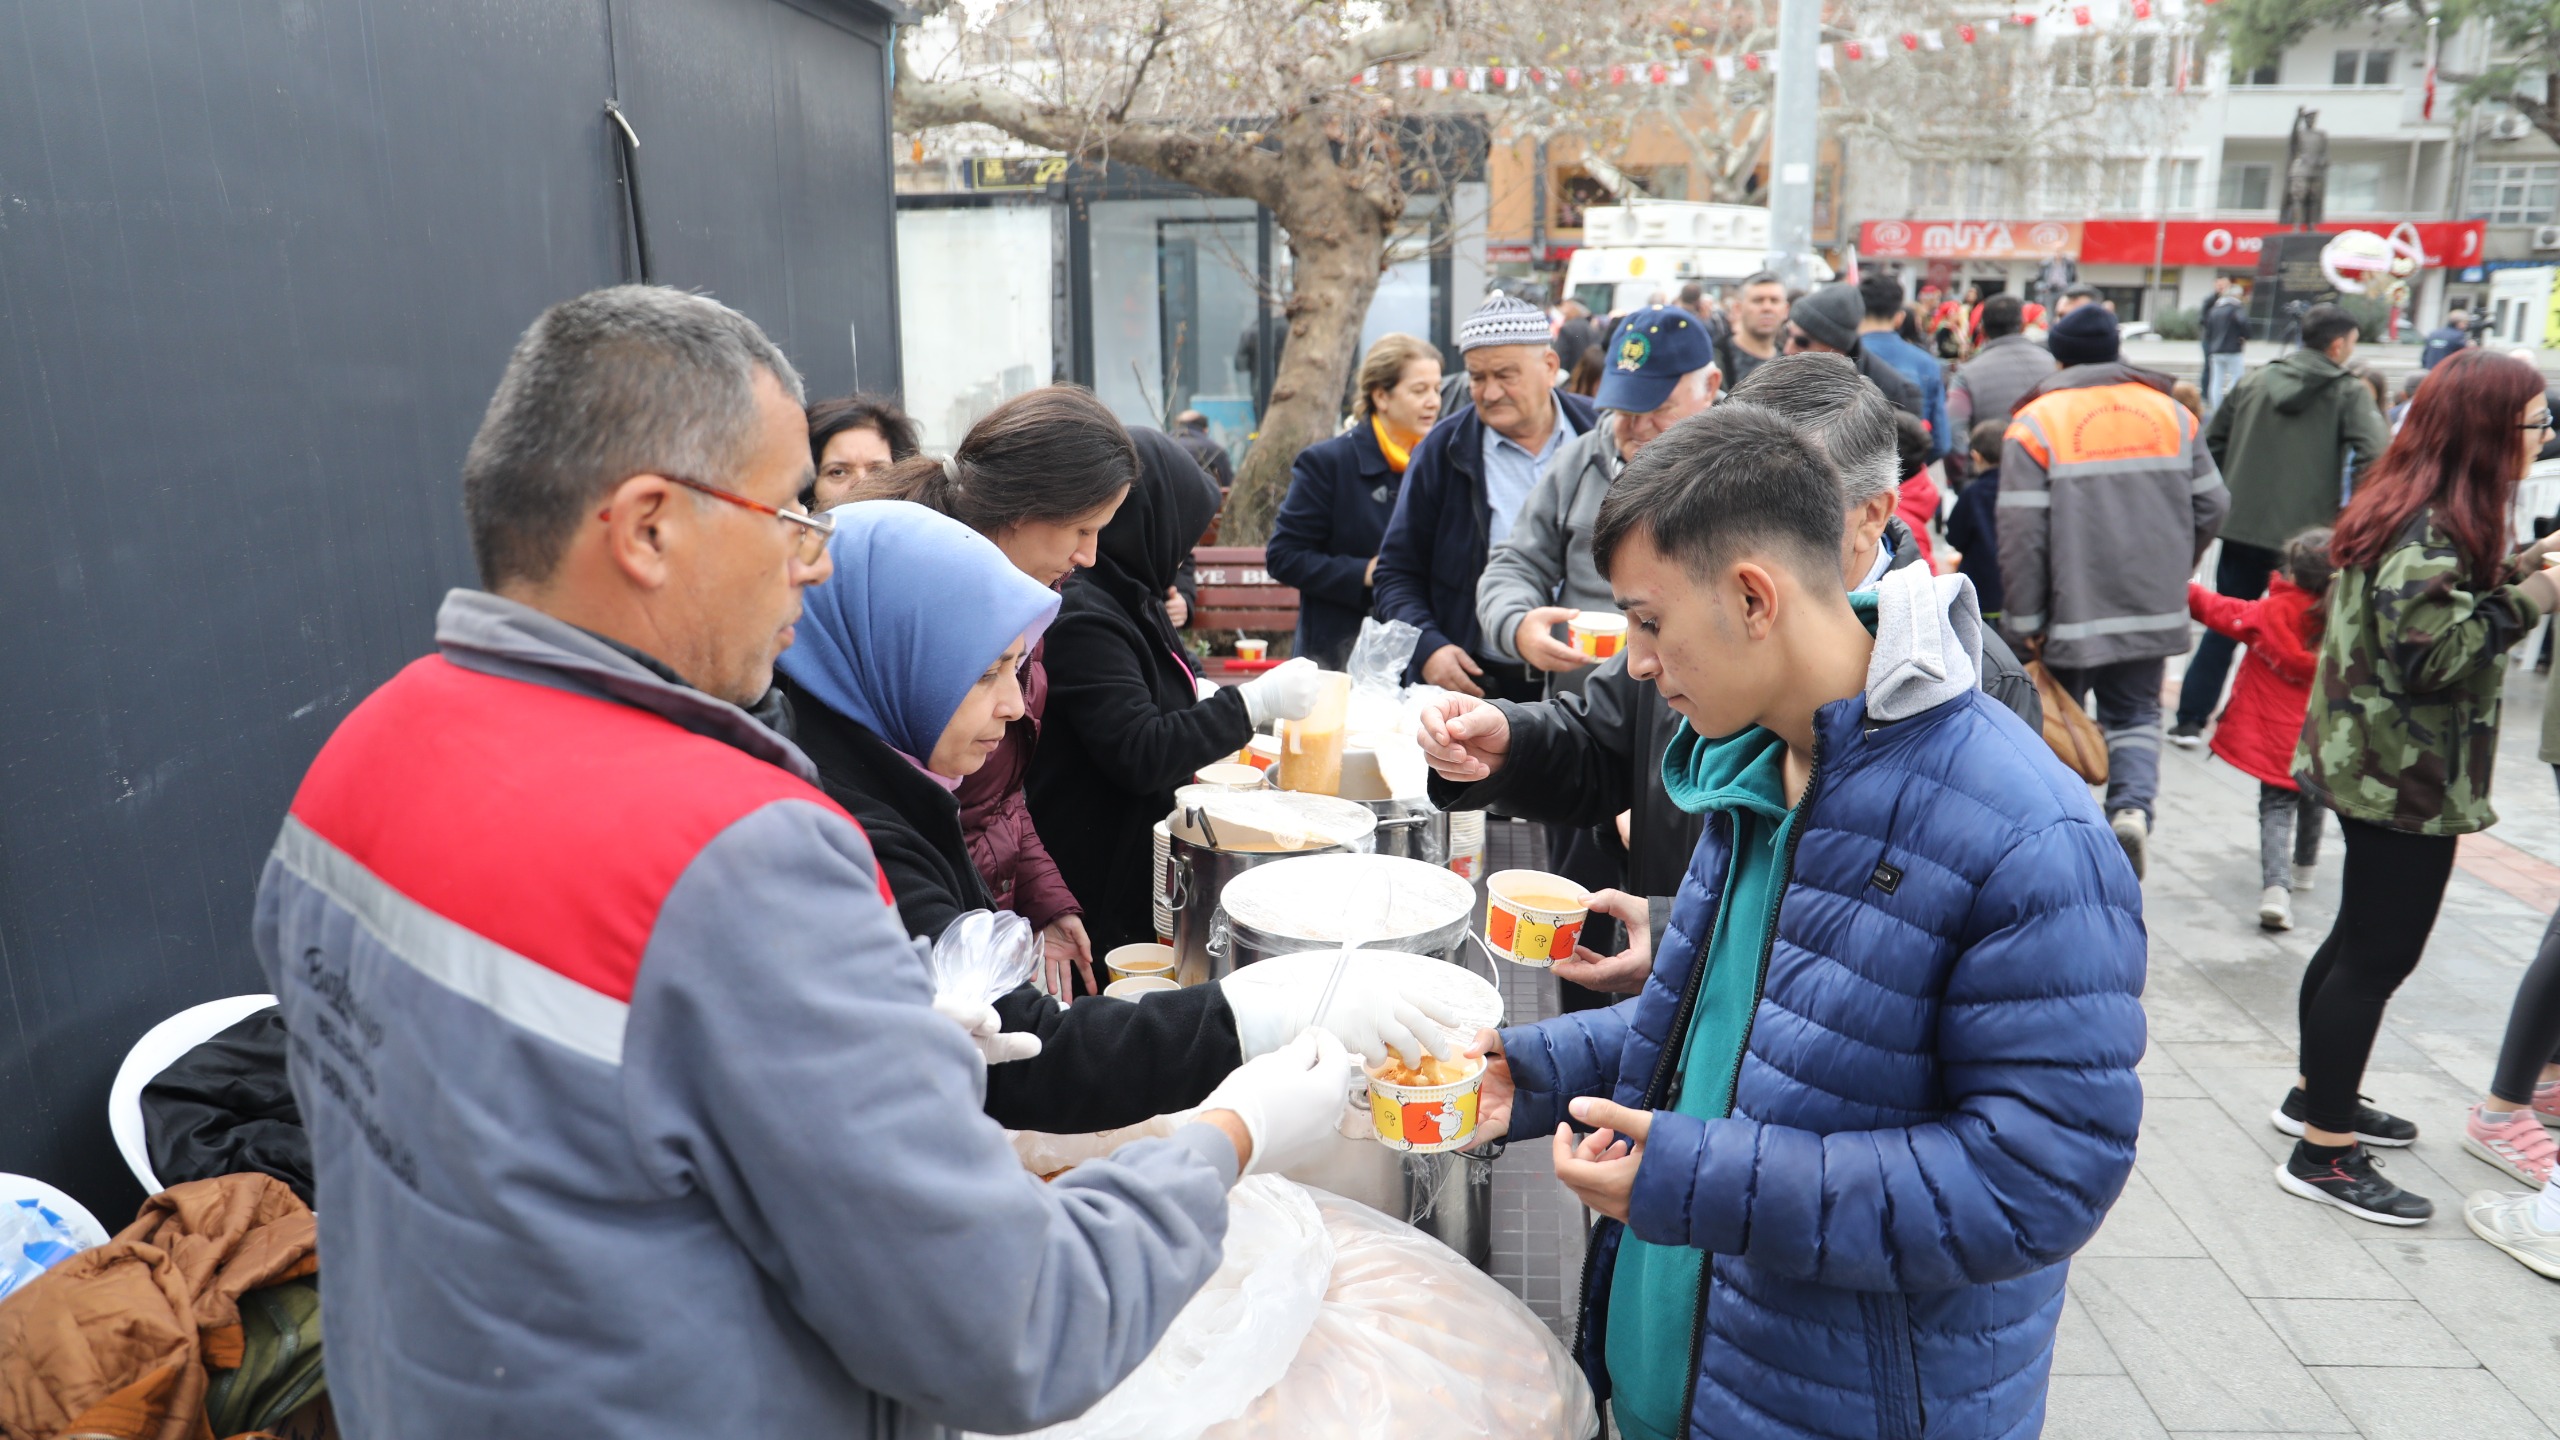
(1466, 843)
(1164, 861)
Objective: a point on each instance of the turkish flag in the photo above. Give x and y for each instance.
(1910, 41)
(2080, 16)
(2141, 9)
(1501, 77)
(1853, 50)
(1657, 73)
(1617, 74)
(1750, 59)
(1965, 33)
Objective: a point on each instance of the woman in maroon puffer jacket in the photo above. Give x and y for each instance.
(1039, 475)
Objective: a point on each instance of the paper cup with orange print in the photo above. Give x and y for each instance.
(1252, 649)
(1137, 985)
(1533, 917)
(1598, 633)
(1425, 1119)
(1129, 962)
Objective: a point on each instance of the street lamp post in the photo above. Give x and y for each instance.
(1791, 145)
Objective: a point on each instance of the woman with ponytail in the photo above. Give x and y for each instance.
(2400, 735)
(1341, 491)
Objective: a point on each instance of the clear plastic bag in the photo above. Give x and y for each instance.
(1236, 1337)
(40, 1227)
(1380, 655)
(984, 954)
(1412, 1340)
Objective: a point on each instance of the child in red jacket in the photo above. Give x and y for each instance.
(2264, 719)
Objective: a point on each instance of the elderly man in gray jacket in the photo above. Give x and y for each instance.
(636, 1114)
(1659, 370)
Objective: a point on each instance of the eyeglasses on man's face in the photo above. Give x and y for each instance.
(809, 532)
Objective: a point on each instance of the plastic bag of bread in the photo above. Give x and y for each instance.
(1236, 1336)
(1412, 1340)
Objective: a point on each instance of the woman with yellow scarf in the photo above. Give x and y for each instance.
(1325, 539)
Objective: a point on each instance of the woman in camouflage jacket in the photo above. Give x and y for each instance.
(2400, 733)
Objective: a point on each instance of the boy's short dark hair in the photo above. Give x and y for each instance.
(1735, 478)
(1987, 438)
(2003, 315)
(2323, 324)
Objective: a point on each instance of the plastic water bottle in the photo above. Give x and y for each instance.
(32, 1239)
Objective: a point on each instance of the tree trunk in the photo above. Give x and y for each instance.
(1338, 243)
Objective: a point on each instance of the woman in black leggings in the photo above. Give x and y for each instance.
(2401, 733)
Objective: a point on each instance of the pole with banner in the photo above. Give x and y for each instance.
(1791, 143)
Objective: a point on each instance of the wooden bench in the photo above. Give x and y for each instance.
(1236, 593)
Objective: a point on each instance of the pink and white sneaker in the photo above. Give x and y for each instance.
(2519, 1145)
(2546, 1101)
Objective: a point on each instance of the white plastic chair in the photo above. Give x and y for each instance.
(157, 1050)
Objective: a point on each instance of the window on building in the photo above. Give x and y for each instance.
(2178, 183)
(2514, 194)
(2137, 61)
(2361, 67)
(2248, 186)
(2064, 187)
(2355, 188)
(2120, 185)
(2263, 75)
(2079, 67)
(1987, 192)
(1933, 189)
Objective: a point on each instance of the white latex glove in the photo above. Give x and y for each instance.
(1204, 689)
(1290, 1100)
(1275, 999)
(1286, 693)
(996, 1045)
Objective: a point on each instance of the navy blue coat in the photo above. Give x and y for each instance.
(1936, 1105)
(1341, 492)
(1437, 540)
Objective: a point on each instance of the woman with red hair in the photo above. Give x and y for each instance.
(2400, 733)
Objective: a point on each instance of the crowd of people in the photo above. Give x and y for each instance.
(604, 922)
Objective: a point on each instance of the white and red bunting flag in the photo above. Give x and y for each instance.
(1755, 60)
(1657, 73)
(1910, 41)
(1404, 77)
(2141, 9)
(1617, 74)
(1932, 40)
(1573, 76)
(1822, 58)
(1680, 73)
(1369, 76)
(1498, 77)
(1724, 67)
(1476, 78)
(2081, 17)
(1853, 49)
(1964, 34)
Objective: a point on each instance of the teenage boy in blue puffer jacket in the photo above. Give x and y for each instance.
(1881, 1083)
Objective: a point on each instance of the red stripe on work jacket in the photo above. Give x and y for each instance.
(549, 823)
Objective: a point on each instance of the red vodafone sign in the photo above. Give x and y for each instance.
(2229, 244)
(2233, 244)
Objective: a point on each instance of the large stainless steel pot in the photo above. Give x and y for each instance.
(1312, 903)
(1316, 902)
(1198, 869)
(1415, 829)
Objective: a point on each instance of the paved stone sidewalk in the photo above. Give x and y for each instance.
(2212, 1303)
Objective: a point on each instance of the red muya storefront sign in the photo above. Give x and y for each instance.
(2227, 244)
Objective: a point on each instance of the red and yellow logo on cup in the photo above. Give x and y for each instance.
(1425, 1119)
(1533, 917)
(1598, 633)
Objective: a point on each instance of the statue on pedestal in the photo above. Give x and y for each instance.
(2306, 170)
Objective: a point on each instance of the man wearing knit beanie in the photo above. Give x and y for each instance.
(1826, 321)
(1462, 489)
(2108, 498)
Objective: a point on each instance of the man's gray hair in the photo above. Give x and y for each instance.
(632, 380)
(1843, 412)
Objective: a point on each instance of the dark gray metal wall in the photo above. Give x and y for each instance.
(261, 262)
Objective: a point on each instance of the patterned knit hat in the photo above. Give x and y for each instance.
(1503, 320)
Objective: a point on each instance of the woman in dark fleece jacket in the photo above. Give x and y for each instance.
(903, 679)
(1127, 721)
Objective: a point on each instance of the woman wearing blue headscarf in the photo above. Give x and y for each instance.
(902, 678)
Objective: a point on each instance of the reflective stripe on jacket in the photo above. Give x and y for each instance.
(2107, 501)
